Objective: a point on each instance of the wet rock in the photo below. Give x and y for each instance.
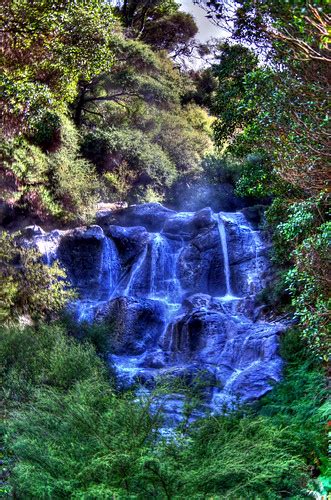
(190, 375)
(87, 233)
(196, 301)
(154, 359)
(150, 215)
(243, 276)
(81, 252)
(198, 336)
(173, 306)
(32, 231)
(135, 324)
(187, 225)
(254, 214)
(130, 241)
(46, 243)
(201, 264)
(7, 211)
(257, 380)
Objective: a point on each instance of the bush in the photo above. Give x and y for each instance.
(296, 401)
(102, 441)
(130, 160)
(240, 457)
(74, 436)
(97, 334)
(49, 178)
(30, 287)
(35, 357)
(308, 285)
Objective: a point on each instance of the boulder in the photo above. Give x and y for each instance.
(32, 231)
(201, 264)
(150, 215)
(198, 336)
(186, 225)
(135, 324)
(154, 359)
(81, 252)
(130, 241)
(257, 380)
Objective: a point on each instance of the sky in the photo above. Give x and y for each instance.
(207, 29)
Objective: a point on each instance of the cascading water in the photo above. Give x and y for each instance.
(134, 275)
(164, 283)
(177, 290)
(227, 274)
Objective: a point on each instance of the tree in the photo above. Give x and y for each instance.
(48, 47)
(171, 33)
(294, 118)
(138, 73)
(43, 173)
(135, 128)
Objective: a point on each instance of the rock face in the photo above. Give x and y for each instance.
(150, 215)
(135, 323)
(177, 291)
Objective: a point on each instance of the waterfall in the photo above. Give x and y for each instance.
(110, 268)
(157, 262)
(157, 284)
(164, 283)
(227, 274)
(136, 268)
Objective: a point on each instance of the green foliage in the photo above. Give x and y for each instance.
(231, 78)
(241, 458)
(302, 218)
(56, 183)
(299, 401)
(257, 178)
(275, 296)
(28, 286)
(102, 442)
(74, 57)
(97, 334)
(218, 169)
(185, 135)
(159, 24)
(139, 74)
(130, 161)
(308, 286)
(280, 107)
(57, 44)
(272, 116)
(139, 105)
(171, 32)
(43, 356)
(301, 245)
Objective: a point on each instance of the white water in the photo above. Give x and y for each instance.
(164, 283)
(221, 229)
(134, 272)
(110, 268)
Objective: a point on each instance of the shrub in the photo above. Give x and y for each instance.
(29, 287)
(296, 403)
(49, 178)
(102, 441)
(231, 457)
(308, 285)
(130, 161)
(35, 357)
